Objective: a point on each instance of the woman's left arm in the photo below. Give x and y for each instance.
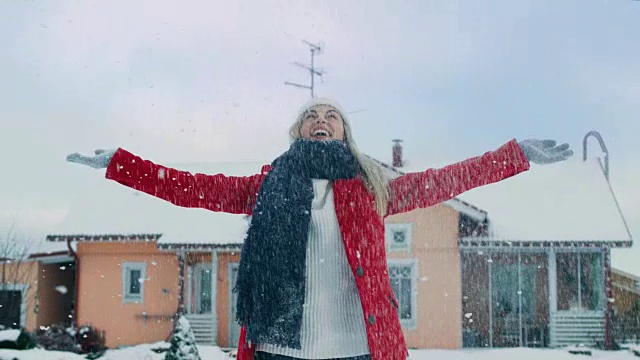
(434, 186)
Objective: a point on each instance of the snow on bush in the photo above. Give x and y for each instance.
(183, 342)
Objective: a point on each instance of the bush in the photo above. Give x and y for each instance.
(84, 340)
(58, 338)
(183, 342)
(91, 340)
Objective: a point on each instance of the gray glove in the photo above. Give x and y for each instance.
(545, 151)
(99, 161)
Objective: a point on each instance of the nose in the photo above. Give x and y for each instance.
(320, 119)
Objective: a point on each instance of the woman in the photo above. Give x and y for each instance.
(313, 281)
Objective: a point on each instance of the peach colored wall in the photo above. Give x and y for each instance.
(222, 297)
(439, 304)
(100, 292)
(24, 273)
(55, 306)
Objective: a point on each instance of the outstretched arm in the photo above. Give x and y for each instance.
(431, 187)
(232, 194)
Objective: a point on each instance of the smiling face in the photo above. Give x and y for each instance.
(322, 122)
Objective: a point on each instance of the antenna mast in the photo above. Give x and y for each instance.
(314, 49)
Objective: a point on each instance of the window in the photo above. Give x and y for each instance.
(403, 276)
(580, 281)
(133, 277)
(398, 236)
(13, 307)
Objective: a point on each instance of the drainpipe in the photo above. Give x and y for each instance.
(603, 147)
(180, 310)
(76, 296)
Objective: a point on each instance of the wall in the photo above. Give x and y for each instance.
(100, 292)
(439, 303)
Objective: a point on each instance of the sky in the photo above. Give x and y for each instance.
(203, 81)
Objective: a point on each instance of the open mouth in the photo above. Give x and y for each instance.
(321, 134)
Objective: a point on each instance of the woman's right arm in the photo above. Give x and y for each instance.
(231, 194)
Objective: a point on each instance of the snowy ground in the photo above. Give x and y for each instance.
(144, 352)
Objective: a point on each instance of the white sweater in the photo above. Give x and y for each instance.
(332, 321)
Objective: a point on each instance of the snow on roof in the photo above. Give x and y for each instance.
(567, 201)
(101, 206)
(456, 203)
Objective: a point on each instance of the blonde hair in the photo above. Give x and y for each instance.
(373, 176)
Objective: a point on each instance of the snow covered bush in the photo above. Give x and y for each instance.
(183, 342)
(57, 337)
(90, 340)
(83, 340)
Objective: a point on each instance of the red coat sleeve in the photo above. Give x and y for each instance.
(231, 194)
(434, 186)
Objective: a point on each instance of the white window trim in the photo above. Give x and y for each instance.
(388, 234)
(23, 305)
(126, 268)
(413, 264)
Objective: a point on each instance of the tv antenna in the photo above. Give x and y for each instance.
(315, 49)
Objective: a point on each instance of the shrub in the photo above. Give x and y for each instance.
(58, 338)
(183, 342)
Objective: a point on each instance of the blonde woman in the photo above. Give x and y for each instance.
(313, 281)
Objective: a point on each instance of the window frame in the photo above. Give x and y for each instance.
(413, 265)
(127, 267)
(391, 228)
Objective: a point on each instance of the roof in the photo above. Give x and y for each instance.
(102, 210)
(456, 203)
(571, 201)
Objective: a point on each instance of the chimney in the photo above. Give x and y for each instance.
(397, 154)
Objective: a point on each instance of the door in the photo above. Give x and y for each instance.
(202, 288)
(234, 328)
(513, 299)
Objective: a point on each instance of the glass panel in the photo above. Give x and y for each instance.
(134, 282)
(580, 281)
(505, 303)
(591, 285)
(401, 284)
(10, 303)
(567, 283)
(475, 300)
(205, 291)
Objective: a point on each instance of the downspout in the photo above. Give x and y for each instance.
(180, 309)
(76, 296)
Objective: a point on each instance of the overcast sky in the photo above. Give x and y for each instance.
(195, 81)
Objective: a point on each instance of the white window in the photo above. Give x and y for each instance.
(398, 236)
(133, 277)
(403, 276)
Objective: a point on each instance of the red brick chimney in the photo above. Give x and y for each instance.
(397, 154)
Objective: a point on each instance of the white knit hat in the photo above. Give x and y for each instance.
(322, 101)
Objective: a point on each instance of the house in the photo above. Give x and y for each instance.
(34, 290)
(626, 305)
(528, 269)
(132, 250)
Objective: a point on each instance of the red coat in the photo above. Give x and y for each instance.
(361, 228)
